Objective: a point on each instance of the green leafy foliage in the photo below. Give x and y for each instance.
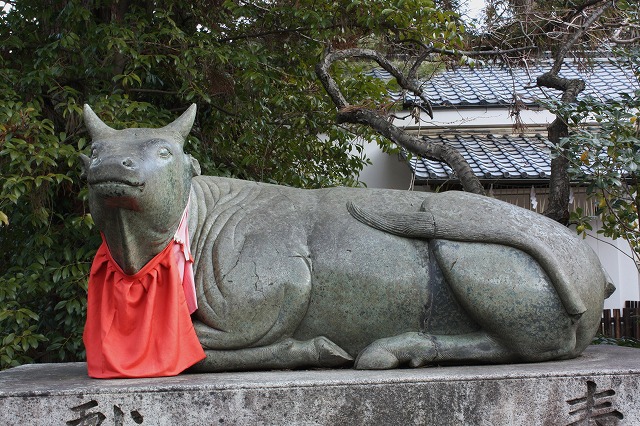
(46, 241)
(248, 65)
(629, 342)
(607, 159)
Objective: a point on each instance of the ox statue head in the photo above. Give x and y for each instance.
(139, 177)
(129, 165)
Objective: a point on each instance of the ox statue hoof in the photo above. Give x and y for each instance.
(413, 349)
(330, 354)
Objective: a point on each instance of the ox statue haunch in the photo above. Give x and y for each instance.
(289, 278)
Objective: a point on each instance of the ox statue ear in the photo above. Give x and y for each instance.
(182, 125)
(195, 166)
(97, 128)
(84, 166)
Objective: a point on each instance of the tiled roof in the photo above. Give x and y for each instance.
(492, 157)
(497, 84)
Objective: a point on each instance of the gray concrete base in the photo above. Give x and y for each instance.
(602, 387)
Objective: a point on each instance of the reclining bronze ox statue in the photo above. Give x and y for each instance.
(290, 278)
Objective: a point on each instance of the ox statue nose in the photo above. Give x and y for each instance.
(128, 163)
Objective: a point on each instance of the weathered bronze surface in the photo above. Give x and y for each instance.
(290, 278)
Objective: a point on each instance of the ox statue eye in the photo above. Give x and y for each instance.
(164, 152)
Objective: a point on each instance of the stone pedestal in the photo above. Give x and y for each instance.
(602, 387)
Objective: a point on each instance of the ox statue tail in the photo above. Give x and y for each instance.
(461, 216)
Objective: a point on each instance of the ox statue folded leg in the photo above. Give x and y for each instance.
(291, 278)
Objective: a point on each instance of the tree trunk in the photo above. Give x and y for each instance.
(559, 183)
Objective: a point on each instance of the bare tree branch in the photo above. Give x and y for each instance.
(581, 8)
(278, 31)
(439, 151)
(404, 82)
(378, 121)
(572, 38)
(625, 40)
(621, 26)
(471, 53)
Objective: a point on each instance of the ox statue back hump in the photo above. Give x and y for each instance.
(289, 278)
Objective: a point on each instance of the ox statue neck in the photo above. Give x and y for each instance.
(133, 242)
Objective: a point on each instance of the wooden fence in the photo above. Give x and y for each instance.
(622, 322)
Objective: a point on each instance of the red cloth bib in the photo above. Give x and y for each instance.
(138, 325)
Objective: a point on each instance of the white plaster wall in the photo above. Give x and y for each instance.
(468, 118)
(614, 257)
(386, 171)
